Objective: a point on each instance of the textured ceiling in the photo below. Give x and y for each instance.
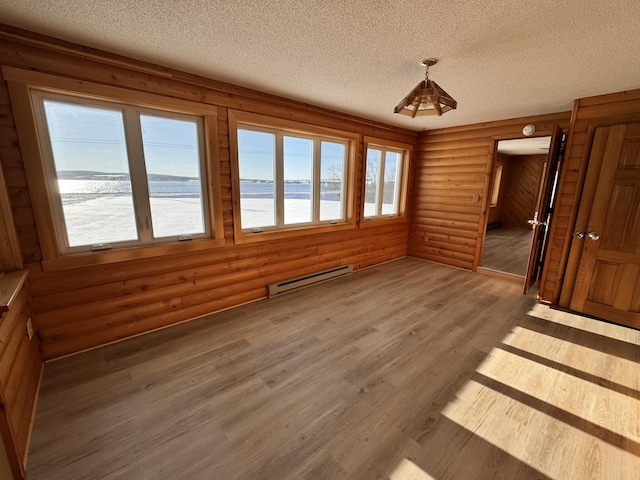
(498, 58)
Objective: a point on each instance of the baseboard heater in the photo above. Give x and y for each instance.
(292, 284)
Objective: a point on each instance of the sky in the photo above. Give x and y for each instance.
(93, 139)
(256, 151)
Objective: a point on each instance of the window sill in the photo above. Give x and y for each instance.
(378, 221)
(248, 237)
(64, 262)
(10, 285)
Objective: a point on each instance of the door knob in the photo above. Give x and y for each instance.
(535, 223)
(594, 236)
(580, 234)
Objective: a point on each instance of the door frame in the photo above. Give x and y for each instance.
(484, 215)
(543, 216)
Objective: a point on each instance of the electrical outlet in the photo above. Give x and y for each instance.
(29, 329)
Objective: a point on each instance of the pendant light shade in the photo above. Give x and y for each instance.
(428, 98)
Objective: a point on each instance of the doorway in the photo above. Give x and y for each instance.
(518, 174)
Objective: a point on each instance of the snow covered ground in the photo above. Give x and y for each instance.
(110, 218)
(256, 210)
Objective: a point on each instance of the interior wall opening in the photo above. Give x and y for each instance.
(517, 176)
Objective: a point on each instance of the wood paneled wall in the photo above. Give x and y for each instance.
(84, 307)
(20, 357)
(10, 254)
(20, 370)
(588, 113)
(521, 189)
(451, 185)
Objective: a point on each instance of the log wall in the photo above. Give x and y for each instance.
(588, 113)
(451, 187)
(20, 356)
(521, 189)
(20, 371)
(80, 308)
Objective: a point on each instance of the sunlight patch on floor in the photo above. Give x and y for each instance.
(551, 446)
(407, 470)
(586, 324)
(603, 365)
(591, 402)
(566, 405)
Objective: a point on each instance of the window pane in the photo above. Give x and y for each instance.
(172, 159)
(256, 160)
(391, 187)
(332, 165)
(298, 177)
(90, 158)
(374, 158)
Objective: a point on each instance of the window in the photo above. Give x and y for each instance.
(289, 177)
(497, 180)
(111, 169)
(386, 172)
(124, 175)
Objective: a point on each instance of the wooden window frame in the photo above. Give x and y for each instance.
(263, 123)
(497, 182)
(22, 82)
(134, 144)
(403, 176)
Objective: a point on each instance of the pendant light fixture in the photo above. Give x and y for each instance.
(427, 98)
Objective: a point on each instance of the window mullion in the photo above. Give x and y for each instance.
(380, 192)
(138, 173)
(344, 183)
(398, 184)
(316, 180)
(279, 203)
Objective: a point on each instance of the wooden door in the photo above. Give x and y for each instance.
(542, 218)
(608, 279)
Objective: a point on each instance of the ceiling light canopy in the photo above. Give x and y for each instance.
(427, 98)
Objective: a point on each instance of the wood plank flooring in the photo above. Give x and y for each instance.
(407, 370)
(507, 250)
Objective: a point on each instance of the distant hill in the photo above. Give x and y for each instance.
(89, 175)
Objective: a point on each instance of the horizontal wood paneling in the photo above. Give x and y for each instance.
(20, 369)
(588, 113)
(20, 357)
(80, 308)
(452, 184)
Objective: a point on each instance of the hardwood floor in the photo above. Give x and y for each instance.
(507, 250)
(408, 370)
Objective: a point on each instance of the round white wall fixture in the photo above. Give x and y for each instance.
(528, 130)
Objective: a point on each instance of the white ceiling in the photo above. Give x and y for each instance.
(498, 58)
